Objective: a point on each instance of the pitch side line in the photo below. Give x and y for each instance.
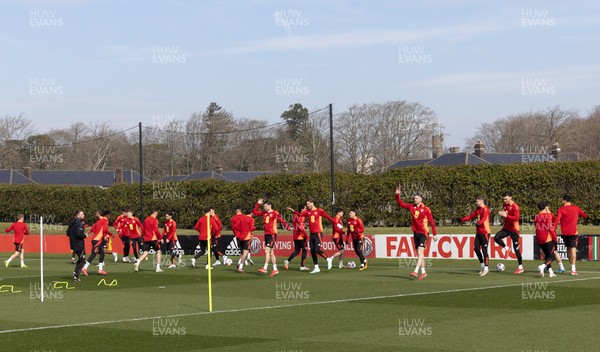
(280, 306)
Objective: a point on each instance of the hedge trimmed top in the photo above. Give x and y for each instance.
(450, 192)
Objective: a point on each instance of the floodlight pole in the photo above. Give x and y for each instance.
(42, 259)
(331, 159)
(141, 173)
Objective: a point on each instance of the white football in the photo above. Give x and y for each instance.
(351, 265)
(500, 267)
(228, 262)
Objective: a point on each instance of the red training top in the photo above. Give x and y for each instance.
(421, 217)
(511, 222)
(315, 223)
(150, 229)
(170, 230)
(567, 217)
(270, 220)
(201, 228)
(483, 220)
(20, 229)
(355, 228)
(544, 227)
(298, 223)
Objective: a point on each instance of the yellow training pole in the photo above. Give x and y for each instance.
(209, 267)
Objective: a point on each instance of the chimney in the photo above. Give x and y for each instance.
(454, 150)
(119, 179)
(219, 169)
(437, 145)
(27, 172)
(555, 151)
(479, 149)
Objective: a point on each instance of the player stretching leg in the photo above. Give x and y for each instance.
(315, 228)
(511, 213)
(214, 240)
(151, 241)
(421, 217)
(98, 232)
(200, 226)
(482, 234)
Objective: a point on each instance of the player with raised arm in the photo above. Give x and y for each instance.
(545, 234)
(511, 212)
(355, 230)
(299, 237)
(315, 228)
(421, 218)
(20, 231)
(270, 219)
(152, 239)
(567, 217)
(482, 233)
(98, 232)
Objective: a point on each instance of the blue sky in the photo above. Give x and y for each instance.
(128, 61)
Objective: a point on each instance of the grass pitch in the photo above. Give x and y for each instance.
(379, 309)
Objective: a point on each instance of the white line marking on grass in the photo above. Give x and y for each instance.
(281, 306)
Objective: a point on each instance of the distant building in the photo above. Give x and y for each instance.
(227, 176)
(479, 157)
(69, 177)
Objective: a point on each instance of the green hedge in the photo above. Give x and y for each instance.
(449, 191)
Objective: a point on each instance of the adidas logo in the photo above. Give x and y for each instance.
(233, 248)
(177, 249)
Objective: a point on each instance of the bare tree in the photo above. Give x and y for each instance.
(13, 148)
(405, 133)
(357, 130)
(314, 139)
(531, 132)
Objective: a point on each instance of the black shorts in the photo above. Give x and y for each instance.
(548, 249)
(98, 245)
(244, 244)
(270, 240)
(420, 240)
(168, 247)
(357, 243)
(137, 240)
(18, 247)
(339, 243)
(150, 245)
(299, 245)
(570, 240)
(505, 233)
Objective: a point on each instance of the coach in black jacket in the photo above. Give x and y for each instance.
(76, 233)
